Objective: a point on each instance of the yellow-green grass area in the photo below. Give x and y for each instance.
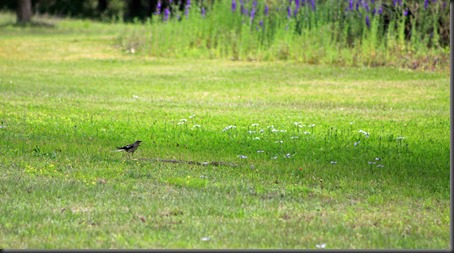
(312, 156)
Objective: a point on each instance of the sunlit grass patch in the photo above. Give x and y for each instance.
(188, 182)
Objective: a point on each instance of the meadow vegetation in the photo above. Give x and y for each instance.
(316, 156)
(409, 34)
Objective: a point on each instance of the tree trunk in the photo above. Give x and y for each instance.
(134, 9)
(102, 6)
(24, 11)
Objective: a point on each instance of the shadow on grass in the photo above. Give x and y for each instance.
(33, 24)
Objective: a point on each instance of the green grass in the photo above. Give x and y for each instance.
(69, 96)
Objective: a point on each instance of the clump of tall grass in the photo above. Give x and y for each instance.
(351, 32)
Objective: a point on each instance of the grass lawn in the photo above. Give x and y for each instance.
(351, 158)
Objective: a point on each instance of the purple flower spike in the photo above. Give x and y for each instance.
(158, 8)
(397, 2)
(289, 12)
(245, 11)
(297, 7)
(252, 15)
(350, 5)
(233, 5)
(203, 11)
(266, 11)
(366, 6)
(312, 4)
(367, 21)
(186, 8)
(166, 14)
(406, 12)
(253, 10)
(426, 3)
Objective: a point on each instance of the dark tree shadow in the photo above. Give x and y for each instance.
(33, 24)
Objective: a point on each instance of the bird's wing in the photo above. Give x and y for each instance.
(126, 147)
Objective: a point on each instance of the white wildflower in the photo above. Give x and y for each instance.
(364, 132)
(228, 128)
(320, 246)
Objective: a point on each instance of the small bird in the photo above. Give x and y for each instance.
(130, 148)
